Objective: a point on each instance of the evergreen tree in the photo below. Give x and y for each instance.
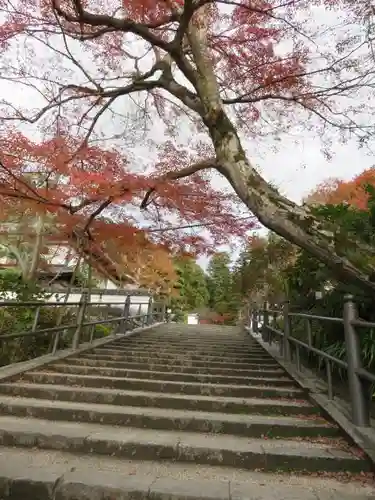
(224, 299)
(191, 285)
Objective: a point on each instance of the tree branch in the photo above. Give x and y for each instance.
(107, 21)
(179, 174)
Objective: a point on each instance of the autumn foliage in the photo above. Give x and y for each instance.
(335, 191)
(187, 82)
(94, 196)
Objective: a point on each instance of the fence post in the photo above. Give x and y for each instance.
(139, 316)
(163, 313)
(358, 392)
(287, 328)
(266, 320)
(125, 315)
(80, 320)
(149, 311)
(257, 320)
(309, 332)
(254, 322)
(36, 319)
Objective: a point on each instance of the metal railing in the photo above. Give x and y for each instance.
(359, 379)
(84, 318)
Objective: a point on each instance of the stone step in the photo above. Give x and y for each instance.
(240, 353)
(206, 449)
(171, 376)
(243, 358)
(142, 339)
(181, 360)
(169, 419)
(232, 339)
(191, 388)
(170, 398)
(173, 333)
(193, 355)
(255, 372)
(217, 342)
(186, 346)
(27, 474)
(261, 406)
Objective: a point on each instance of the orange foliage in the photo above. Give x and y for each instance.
(145, 264)
(94, 197)
(336, 191)
(214, 318)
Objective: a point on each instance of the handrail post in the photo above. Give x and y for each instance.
(265, 332)
(139, 315)
(149, 311)
(163, 318)
(254, 321)
(36, 319)
(287, 331)
(80, 320)
(309, 332)
(357, 389)
(125, 315)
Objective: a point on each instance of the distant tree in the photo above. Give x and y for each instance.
(259, 271)
(335, 191)
(191, 286)
(224, 301)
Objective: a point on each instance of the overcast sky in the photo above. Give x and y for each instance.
(297, 170)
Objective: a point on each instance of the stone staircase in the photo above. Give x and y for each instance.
(176, 412)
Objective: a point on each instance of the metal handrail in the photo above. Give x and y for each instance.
(316, 317)
(308, 347)
(69, 327)
(60, 304)
(319, 352)
(156, 311)
(359, 378)
(100, 291)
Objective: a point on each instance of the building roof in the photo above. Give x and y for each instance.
(92, 253)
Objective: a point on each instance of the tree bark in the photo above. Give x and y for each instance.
(37, 249)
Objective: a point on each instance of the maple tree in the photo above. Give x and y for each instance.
(90, 196)
(143, 263)
(217, 68)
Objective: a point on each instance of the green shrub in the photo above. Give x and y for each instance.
(20, 320)
(101, 331)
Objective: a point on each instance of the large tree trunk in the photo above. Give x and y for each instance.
(37, 249)
(293, 222)
(274, 211)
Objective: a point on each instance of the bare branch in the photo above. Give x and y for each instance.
(179, 174)
(190, 226)
(107, 21)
